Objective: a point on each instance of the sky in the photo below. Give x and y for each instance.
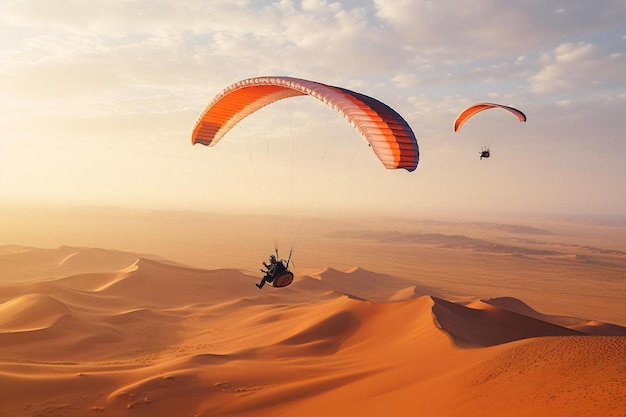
(98, 101)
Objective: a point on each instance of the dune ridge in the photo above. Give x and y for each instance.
(30, 312)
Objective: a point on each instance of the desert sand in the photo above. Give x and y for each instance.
(421, 318)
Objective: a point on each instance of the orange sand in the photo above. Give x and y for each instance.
(87, 331)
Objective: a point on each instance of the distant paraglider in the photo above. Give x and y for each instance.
(472, 110)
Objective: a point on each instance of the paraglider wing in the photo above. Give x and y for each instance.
(387, 132)
(477, 108)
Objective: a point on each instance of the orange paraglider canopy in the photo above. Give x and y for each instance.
(469, 112)
(389, 135)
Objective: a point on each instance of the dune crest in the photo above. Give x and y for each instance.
(28, 263)
(366, 284)
(591, 327)
(493, 326)
(30, 312)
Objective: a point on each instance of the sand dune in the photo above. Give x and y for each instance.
(30, 312)
(157, 284)
(368, 284)
(582, 325)
(491, 326)
(25, 263)
(534, 371)
(145, 337)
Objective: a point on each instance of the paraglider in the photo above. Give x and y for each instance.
(277, 272)
(472, 110)
(388, 135)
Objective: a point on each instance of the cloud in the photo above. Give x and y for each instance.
(71, 48)
(169, 43)
(491, 28)
(581, 66)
